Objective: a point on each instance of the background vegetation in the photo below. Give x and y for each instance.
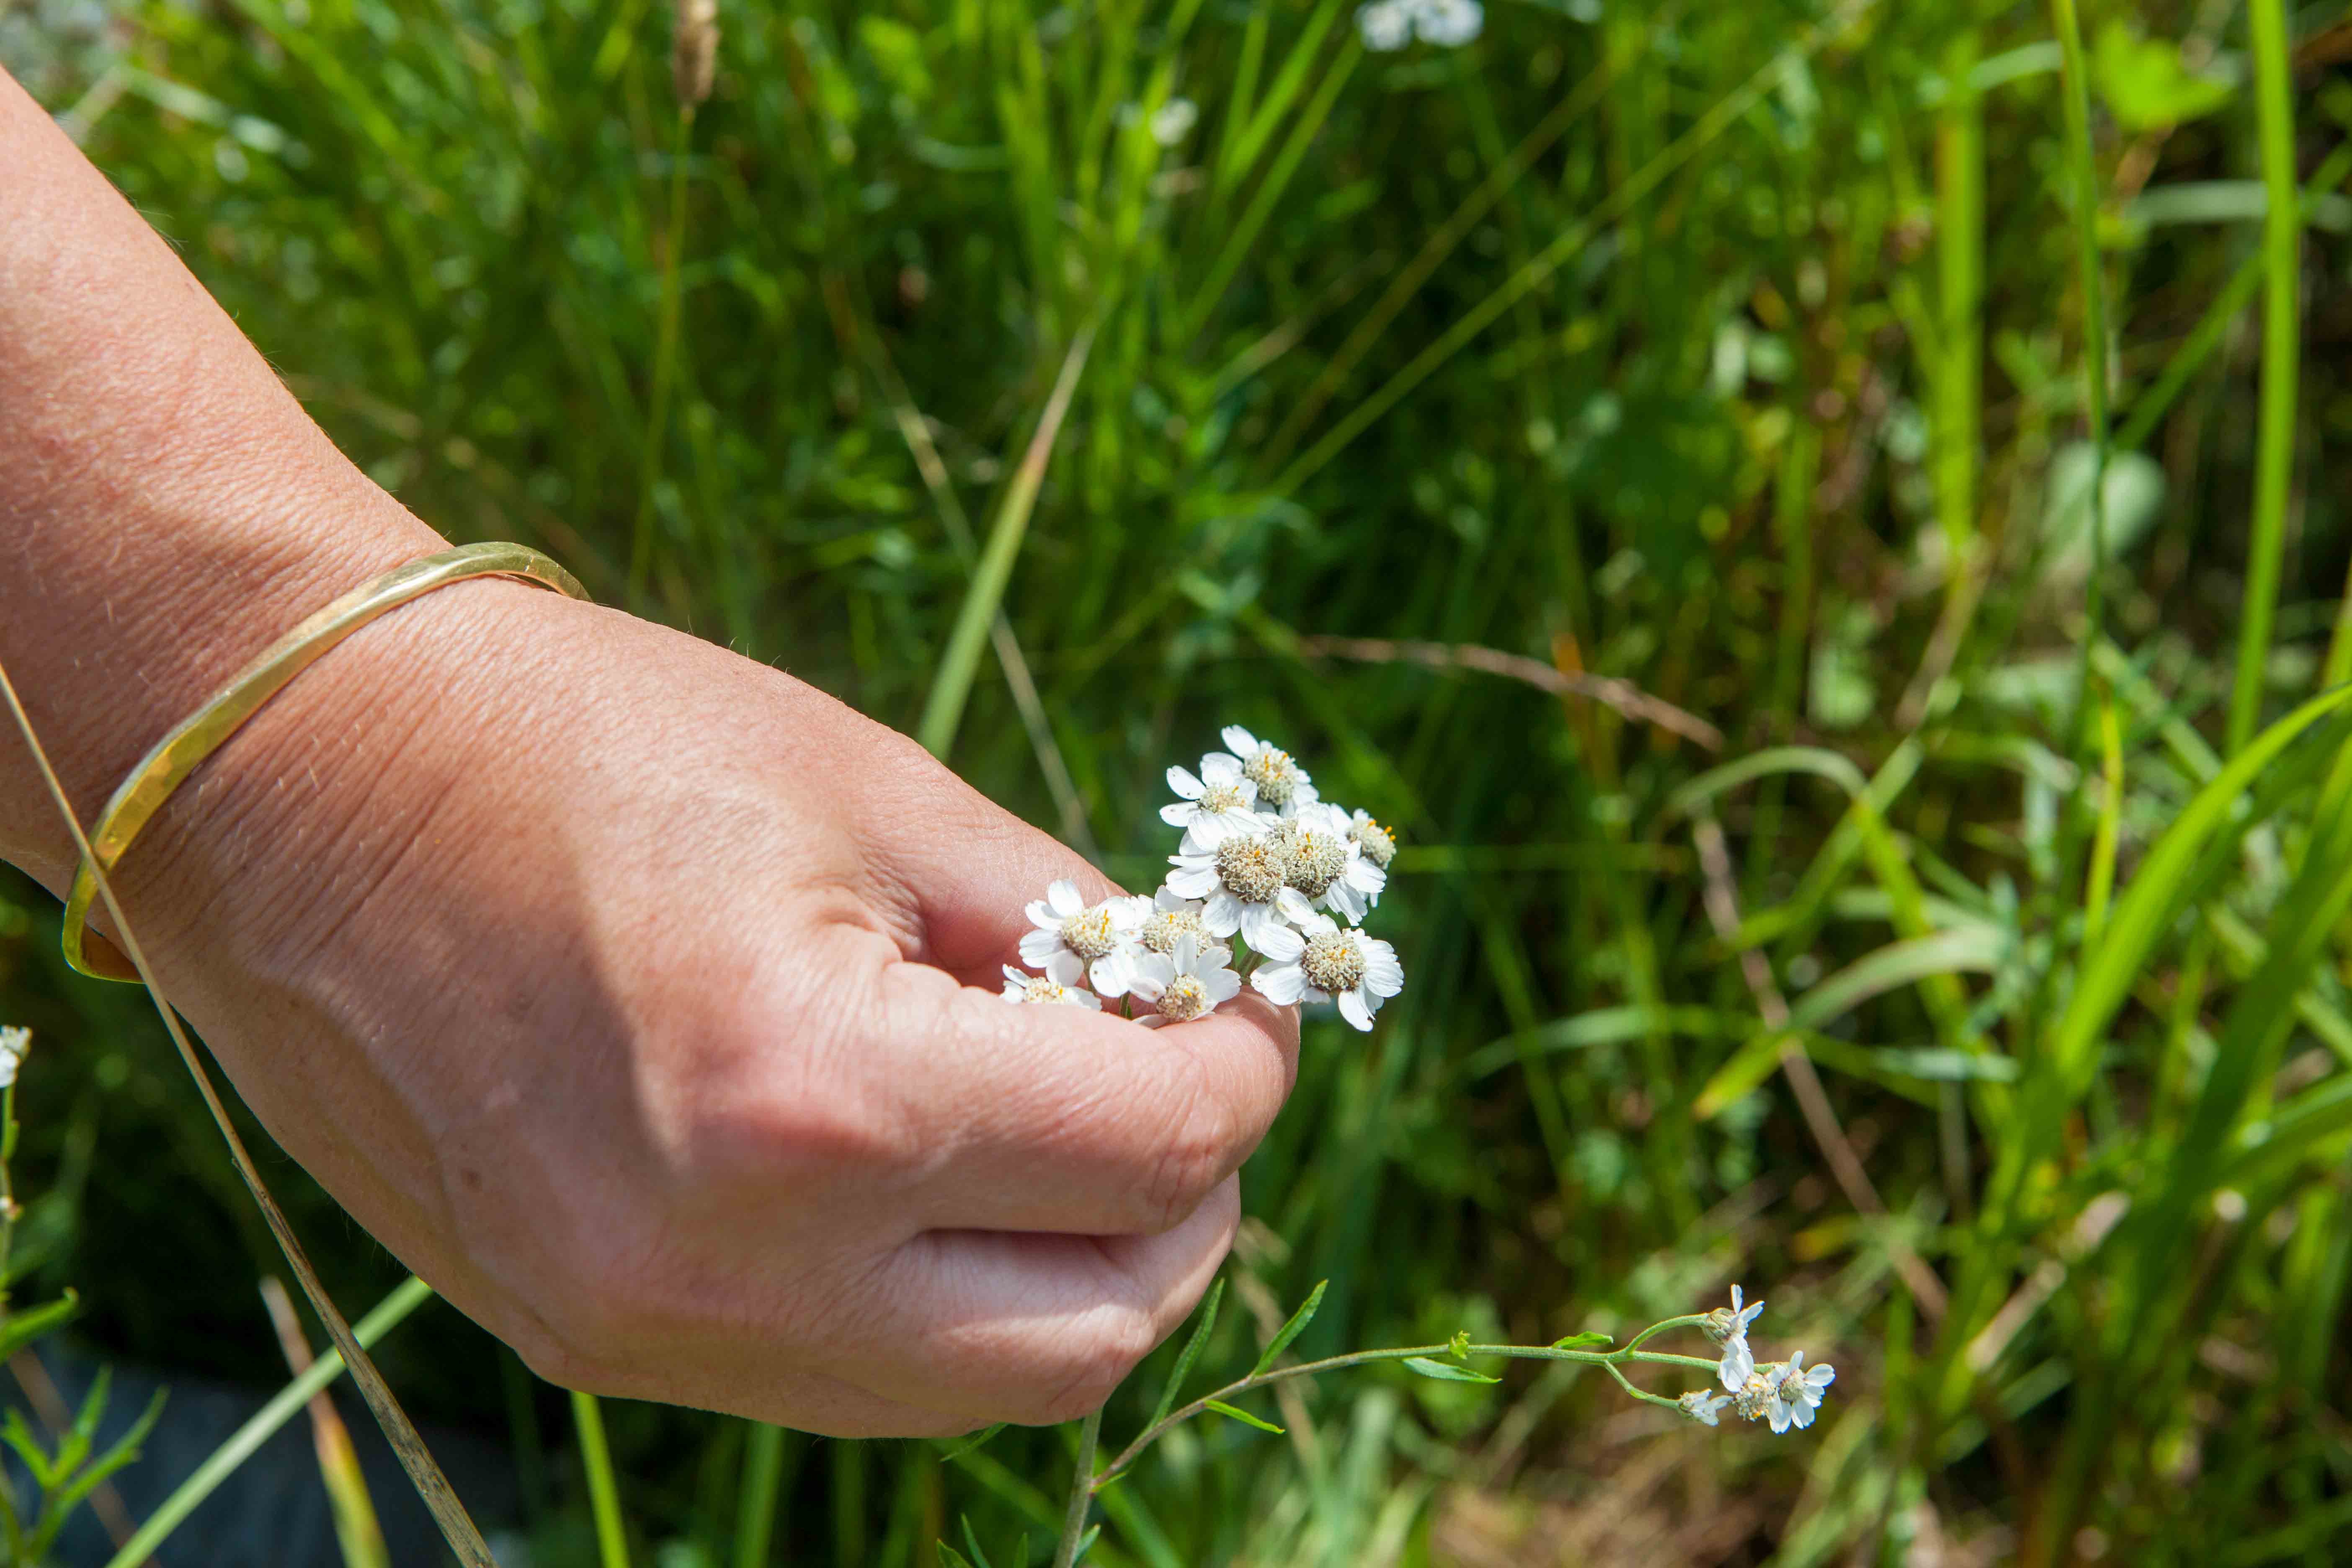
(1962, 981)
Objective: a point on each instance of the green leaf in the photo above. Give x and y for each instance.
(968, 1442)
(951, 1558)
(28, 1448)
(1444, 1371)
(1243, 1416)
(971, 1541)
(125, 1449)
(1190, 1353)
(1291, 1330)
(1579, 1341)
(23, 1328)
(2146, 86)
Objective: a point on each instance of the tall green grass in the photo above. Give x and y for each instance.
(1765, 357)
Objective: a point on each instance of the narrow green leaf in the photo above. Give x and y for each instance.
(951, 1558)
(1579, 1341)
(968, 1442)
(28, 1448)
(1445, 1372)
(23, 1328)
(1202, 1329)
(1293, 1328)
(122, 1452)
(971, 1542)
(1243, 1416)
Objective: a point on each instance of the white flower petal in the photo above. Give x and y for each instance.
(1222, 915)
(1063, 897)
(1038, 946)
(1185, 784)
(1281, 983)
(1222, 984)
(1283, 944)
(1041, 915)
(1353, 1008)
(1240, 742)
(1198, 883)
(1066, 968)
(1738, 1363)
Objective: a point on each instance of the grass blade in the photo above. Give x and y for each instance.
(604, 1490)
(2274, 436)
(1190, 1352)
(1291, 1330)
(951, 686)
(258, 1428)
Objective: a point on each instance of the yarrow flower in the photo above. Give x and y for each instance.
(1326, 864)
(1701, 1406)
(1387, 26)
(1796, 1391)
(1217, 804)
(1261, 856)
(1245, 880)
(1728, 1328)
(14, 1043)
(1319, 962)
(1281, 783)
(1780, 1393)
(1194, 980)
(1101, 936)
(1058, 986)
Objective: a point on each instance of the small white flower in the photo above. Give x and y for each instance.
(1281, 783)
(14, 1044)
(1215, 806)
(1797, 1392)
(1701, 1406)
(1385, 26)
(1244, 881)
(1321, 963)
(1328, 865)
(1173, 919)
(1058, 986)
(1192, 981)
(1173, 120)
(1729, 1329)
(1101, 936)
(1754, 1400)
(1448, 24)
(1377, 842)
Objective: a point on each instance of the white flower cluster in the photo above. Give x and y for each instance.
(1387, 26)
(14, 1044)
(1264, 859)
(1783, 1394)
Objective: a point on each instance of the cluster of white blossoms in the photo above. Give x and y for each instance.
(14, 1043)
(1386, 26)
(1782, 1394)
(1264, 861)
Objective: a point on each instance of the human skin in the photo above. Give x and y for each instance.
(623, 987)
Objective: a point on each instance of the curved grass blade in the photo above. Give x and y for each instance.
(223, 1462)
(425, 1472)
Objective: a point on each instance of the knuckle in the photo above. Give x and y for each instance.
(1118, 1340)
(1194, 1157)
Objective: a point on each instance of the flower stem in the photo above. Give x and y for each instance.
(1610, 1359)
(1082, 1492)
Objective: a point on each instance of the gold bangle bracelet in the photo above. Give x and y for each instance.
(181, 752)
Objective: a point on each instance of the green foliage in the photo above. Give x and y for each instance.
(1747, 354)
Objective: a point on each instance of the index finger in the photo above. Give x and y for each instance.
(1047, 1118)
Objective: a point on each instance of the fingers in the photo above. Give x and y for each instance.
(1059, 1119)
(1032, 1328)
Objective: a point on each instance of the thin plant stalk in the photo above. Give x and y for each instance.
(755, 1512)
(604, 1490)
(247, 1440)
(951, 686)
(641, 549)
(425, 1472)
(2275, 429)
(1082, 1492)
(1960, 255)
(2082, 171)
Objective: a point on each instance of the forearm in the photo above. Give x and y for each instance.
(166, 507)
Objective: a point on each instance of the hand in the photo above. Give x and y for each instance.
(624, 988)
